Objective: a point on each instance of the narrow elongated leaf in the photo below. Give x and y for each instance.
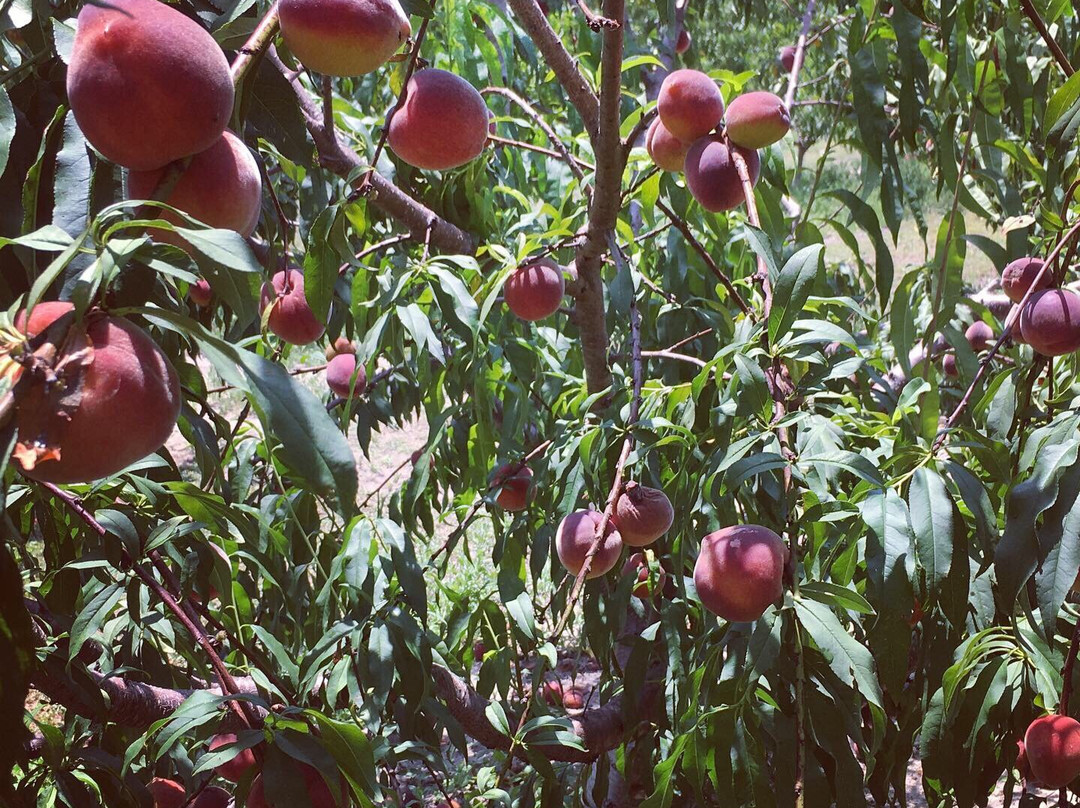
(932, 522)
(849, 659)
(792, 289)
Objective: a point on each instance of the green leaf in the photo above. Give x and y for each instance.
(17, 651)
(792, 289)
(351, 750)
(321, 261)
(849, 659)
(93, 616)
(867, 219)
(1062, 118)
(931, 510)
(1059, 542)
(839, 597)
(7, 128)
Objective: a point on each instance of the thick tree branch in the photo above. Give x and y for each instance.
(388, 197)
(558, 58)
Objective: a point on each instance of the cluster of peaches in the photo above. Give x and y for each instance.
(1050, 320)
(687, 137)
(739, 570)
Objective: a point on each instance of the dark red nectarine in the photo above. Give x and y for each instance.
(536, 290)
(343, 37)
(1050, 322)
(319, 793)
(166, 793)
(666, 150)
(787, 58)
(235, 769)
(1052, 747)
(514, 487)
(212, 797)
(979, 335)
(690, 104)
(291, 318)
(756, 120)
(712, 177)
(129, 403)
(682, 44)
(638, 566)
(443, 123)
(1019, 275)
(574, 538)
(339, 376)
(642, 515)
(147, 84)
(740, 571)
(200, 293)
(949, 366)
(221, 187)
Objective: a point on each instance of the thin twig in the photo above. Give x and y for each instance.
(518, 144)
(800, 52)
(386, 480)
(595, 21)
(538, 119)
(258, 42)
(1033, 15)
(374, 248)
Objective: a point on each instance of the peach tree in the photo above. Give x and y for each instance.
(763, 507)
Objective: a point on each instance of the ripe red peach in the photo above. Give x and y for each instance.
(291, 318)
(515, 488)
(235, 769)
(339, 376)
(536, 290)
(1019, 275)
(147, 84)
(642, 515)
(573, 699)
(756, 120)
(712, 177)
(690, 104)
(1050, 322)
(638, 566)
(221, 187)
(343, 37)
(129, 403)
(787, 58)
(666, 150)
(200, 293)
(948, 364)
(339, 346)
(682, 44)
(740, 571)
(979, 335)
(443, 123)
(319, 793)
(574, 538)
(166, 793)
(1052, 747)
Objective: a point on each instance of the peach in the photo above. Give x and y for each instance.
(642, 515)
(1019, 275)
(291, 318)
(712, 177)
(130, 400)
(339, 346)
(200, 293)
(443, 123)
(949, 366)
(235, 769)
(638, 566)
(343, 37)
(1052, 747)
(1022, 764)
(552, 692)
(682, 44)
(787, 58)
(575, 536)
(740, 571)
(147, 84)
(756, 120)
(340, 372)
(1050, 322)
(690, 104)
(666, 150)
(573, 699)
(536, 290)
(319, 793)
(515, 487)
(213, 797)
(221, 187)
(979, 335)
(166, 793)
